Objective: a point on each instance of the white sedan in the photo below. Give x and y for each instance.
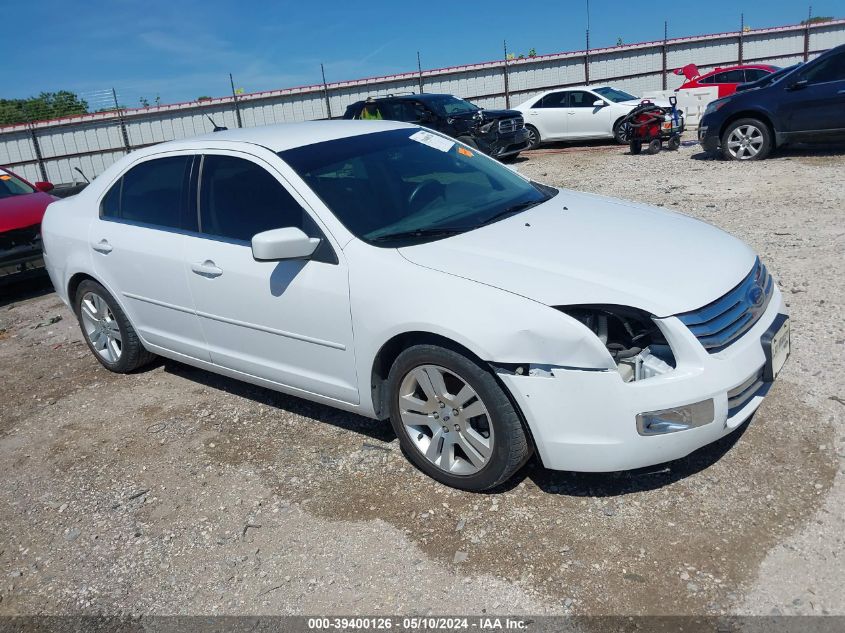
(395, 273)
(579, 113)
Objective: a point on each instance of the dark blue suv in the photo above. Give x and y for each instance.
(805, 103)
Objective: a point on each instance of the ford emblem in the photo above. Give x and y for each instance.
(755, 296)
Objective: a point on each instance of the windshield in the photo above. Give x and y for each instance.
(447, 105)
(406, 186)
(612, 94)
(779, 74)
(11, 185)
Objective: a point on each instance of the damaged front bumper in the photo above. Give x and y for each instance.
(594, 421)
(21, 261)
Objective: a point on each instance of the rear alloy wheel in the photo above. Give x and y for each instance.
(746, 139)
(533, 137)
(107, 330)
(453, 420)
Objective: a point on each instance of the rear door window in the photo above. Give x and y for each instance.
(552, 100)
(154, 192)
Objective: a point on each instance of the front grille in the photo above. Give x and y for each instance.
(722, 322)
(739, 396)
(508, 126)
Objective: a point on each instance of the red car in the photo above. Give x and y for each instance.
(22, 207)
(724, 79)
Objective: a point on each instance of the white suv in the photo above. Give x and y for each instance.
(579, 113)
(390, 271)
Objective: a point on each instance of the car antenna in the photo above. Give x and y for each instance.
(217, 128)
(82, 174)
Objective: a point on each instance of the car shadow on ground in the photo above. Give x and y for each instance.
(798, 150)
(553, 482)
(21, 290)
(375, 429)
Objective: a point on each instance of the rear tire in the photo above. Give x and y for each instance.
(636, 147)
(107, 330)
(453, 419)
(534, 139)
(673, 143)
(655, 146)
(747, 139)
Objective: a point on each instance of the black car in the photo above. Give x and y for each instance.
(805, 103)
(499, 133)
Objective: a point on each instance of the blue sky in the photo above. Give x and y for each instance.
(182, 49)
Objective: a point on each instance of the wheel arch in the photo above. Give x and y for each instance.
(390, 351)
(73, 285)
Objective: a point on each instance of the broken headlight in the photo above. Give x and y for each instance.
(631, 337)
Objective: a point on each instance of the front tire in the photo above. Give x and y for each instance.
(621, 132)
(747, 139)
(107, 330)
(534, 139)
(453, 419)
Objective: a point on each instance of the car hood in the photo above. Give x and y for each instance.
(584, 249)
(17, 212)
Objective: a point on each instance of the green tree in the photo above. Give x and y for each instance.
(47, 105)
(817, 19)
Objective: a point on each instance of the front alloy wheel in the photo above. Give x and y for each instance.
(747, 139)
(446, 420)
(453, 419)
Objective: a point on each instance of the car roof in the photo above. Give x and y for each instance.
(283, 136)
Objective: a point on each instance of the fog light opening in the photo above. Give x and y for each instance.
(682, 418)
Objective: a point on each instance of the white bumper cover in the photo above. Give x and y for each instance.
(586, 420)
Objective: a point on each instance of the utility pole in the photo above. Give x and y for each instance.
(235, 101)
(326, 92)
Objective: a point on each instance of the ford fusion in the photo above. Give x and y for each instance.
(393, 272)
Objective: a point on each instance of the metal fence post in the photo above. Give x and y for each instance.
(665, 53)
(326, 93)
(122, 122)
(38, 156)
(235, 101)
(587, 60)
(741, 35)
(505, 69)
(419, 71)
(807, 34)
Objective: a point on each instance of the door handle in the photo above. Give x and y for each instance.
(206, 269)
(102, 246)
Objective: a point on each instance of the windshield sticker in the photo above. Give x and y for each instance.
(432, 140)
(463, 151)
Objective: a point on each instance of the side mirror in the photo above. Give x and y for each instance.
(44, 186)
(798, 85)
(286, 243)
(599, 103)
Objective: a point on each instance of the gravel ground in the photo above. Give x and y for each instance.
(175, 491)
